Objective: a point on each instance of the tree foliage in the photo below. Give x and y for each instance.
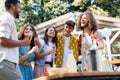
(56, 8)
(2, 9)
(38, 11)
(32, 12)
(99, 7)
(112, 6)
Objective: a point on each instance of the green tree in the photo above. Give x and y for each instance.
(99, 7)
(32, 12)
(2, 8)
(56, 9)
(37, 11)
(112, 6)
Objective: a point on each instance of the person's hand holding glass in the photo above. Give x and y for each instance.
(36, 42)
(30, 35)
(86, 41)
(53, 50)
(86, 46)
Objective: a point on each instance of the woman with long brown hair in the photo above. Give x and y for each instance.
(89, 41)
(27, 53)
(47, 55)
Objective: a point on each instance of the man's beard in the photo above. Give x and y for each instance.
(17, 15)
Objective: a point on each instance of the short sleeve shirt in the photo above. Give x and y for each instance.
(8, 30)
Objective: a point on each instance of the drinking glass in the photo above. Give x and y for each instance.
(36, 41)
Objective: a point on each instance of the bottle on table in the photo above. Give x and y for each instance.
(71, 62)
(79, 64)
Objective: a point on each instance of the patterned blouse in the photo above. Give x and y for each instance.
(60, 49)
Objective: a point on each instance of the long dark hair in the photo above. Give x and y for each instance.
(54, 39)
(21, 34)
(92, 21)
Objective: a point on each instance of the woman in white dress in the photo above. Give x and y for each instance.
(90, 40)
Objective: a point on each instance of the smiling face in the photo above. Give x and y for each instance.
(85, 21)
(27, 30)
(51, 32)
(68, 30)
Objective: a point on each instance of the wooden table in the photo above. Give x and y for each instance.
(83, 76)
(117, 61)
